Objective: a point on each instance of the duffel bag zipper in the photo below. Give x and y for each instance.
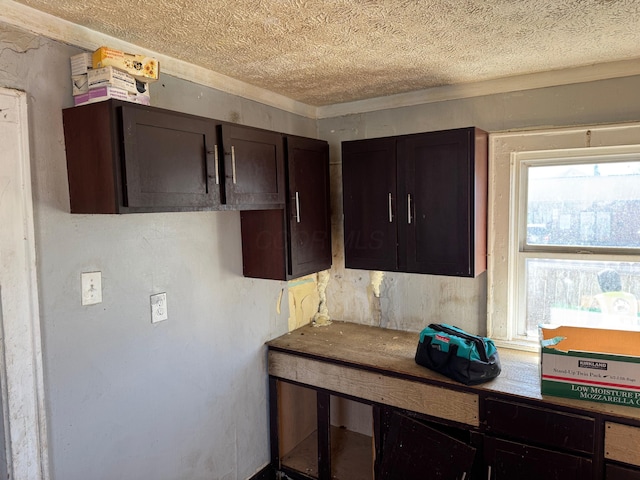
(478, 341)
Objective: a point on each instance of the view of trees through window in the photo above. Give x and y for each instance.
(573, 210)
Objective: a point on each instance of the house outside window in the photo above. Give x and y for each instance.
(576, 238)
(565, 248)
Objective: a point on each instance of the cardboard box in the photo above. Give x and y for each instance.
(592, 364)
(81, 63)
(144, 68)
(79, 84)
(100, 77)
(107, 92)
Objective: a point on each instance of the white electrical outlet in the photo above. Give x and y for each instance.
(91, 287)
(159, 307)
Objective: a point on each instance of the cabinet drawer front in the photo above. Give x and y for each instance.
(616, 472)
(539, 425)
(622, 443)
(512, 460)
(375, 387)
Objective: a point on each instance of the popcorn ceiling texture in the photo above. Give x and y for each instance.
(323, 52)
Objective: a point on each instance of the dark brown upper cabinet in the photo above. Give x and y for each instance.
(253, 165)
(126, 158)
(296, 241)
(417, 203)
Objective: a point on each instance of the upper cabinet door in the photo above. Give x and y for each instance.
(370, 202)
(170, 160)
(437, 183)
(308, 212)
(253, 166)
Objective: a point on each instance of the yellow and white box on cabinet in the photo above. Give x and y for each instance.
(142, 67)
(594, 364)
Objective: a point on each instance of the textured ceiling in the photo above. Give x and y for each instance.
(323, 52)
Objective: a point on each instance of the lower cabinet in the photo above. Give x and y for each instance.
(529, 442)
(508, 460)
(419, 449)
(617, 472)
(316, 434)
(335, 414)
(321, 436)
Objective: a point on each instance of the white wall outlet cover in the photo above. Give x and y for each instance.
(159, 307)
(91, 287)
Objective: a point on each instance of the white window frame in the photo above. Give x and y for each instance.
(503, 150)
(520, 252)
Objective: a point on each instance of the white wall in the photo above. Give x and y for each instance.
(181, 399)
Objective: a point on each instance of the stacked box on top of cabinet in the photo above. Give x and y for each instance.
(108, 73)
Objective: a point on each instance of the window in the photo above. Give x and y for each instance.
(564, 231)
(576, 239)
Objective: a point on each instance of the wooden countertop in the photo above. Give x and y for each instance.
(392, 352)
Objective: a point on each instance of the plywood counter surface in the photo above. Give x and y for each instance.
(389, 354)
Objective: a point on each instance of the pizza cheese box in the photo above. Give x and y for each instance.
(144, 68)
(593, 364)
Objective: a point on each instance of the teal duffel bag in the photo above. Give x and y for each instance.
(466, 358)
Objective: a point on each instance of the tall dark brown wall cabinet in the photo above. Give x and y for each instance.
(417, 203)
(297, 241)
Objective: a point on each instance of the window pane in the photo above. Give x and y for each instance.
(587, 204)
(599, 294)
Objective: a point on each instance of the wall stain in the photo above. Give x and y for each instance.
(19, 42)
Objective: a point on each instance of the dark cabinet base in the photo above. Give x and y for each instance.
(415, 450)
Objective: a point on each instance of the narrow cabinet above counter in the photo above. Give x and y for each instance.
(287, 244)
(128, 158)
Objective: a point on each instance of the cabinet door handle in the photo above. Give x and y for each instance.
(409, 216)
(390, 209)
(297, 207)
(488, 472)
(233, 164)
(215, 163)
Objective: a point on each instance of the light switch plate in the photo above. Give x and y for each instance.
(159, 307)
(91, 287)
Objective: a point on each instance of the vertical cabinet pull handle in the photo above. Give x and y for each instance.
(390, 209)
(297, 207)
(488, 472)
(233, 164)
(215, 163)
(409, 216)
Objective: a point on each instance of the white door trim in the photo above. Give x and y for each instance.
(21, 372)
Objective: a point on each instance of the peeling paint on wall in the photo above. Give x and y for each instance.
(303, 301)
(322, 317)
(19, 41)
(376, 282)
(308, 301)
